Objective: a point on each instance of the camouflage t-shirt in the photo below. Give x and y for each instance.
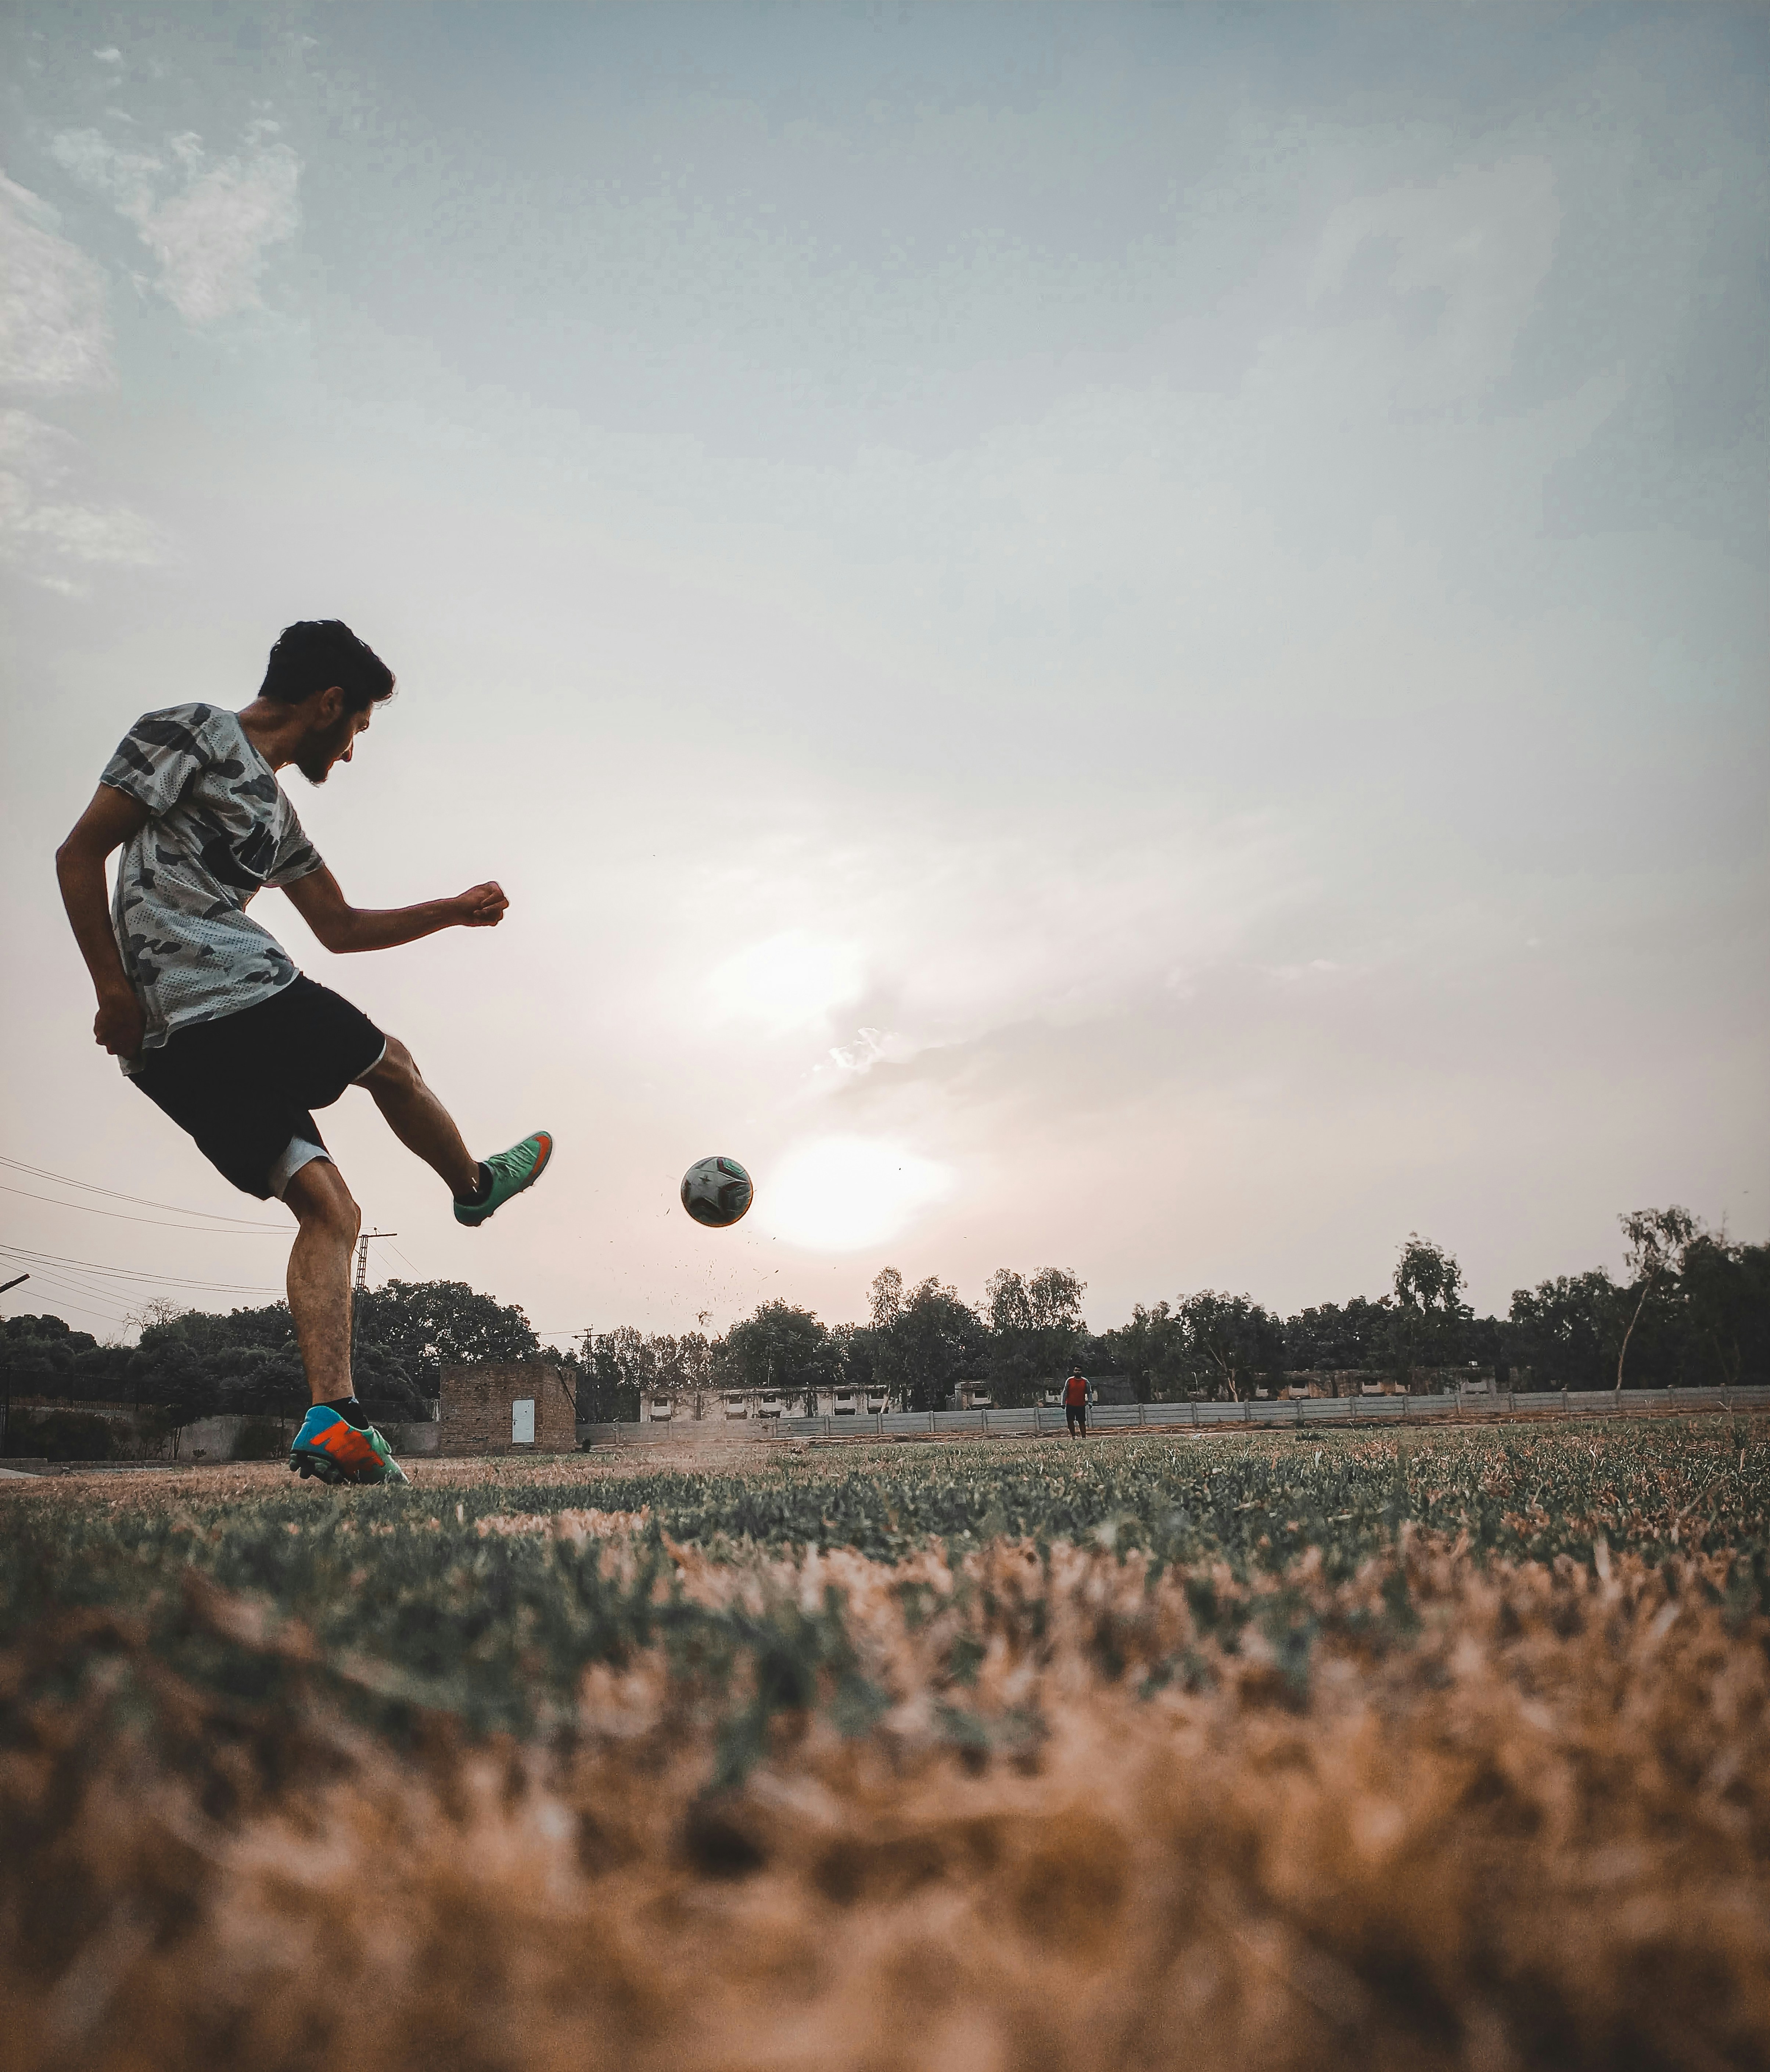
(220, 826)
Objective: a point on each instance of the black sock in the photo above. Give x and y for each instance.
(351, 1412)
(482, 1192)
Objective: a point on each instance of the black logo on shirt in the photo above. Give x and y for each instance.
(245, 864)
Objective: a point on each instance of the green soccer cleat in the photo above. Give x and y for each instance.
(511, 1170)
(391, 1471)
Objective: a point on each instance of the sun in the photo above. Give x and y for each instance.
(843, 1193)
(789, 982)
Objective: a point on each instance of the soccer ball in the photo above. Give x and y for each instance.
(717, 1191)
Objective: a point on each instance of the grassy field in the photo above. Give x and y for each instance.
(1240, 1751)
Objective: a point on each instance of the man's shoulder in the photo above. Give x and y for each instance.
(167, 749)
(175, 724)
(184, 729)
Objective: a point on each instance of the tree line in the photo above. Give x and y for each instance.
(193, 1363)
(1692, 1309)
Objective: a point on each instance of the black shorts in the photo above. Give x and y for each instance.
(246, 1085)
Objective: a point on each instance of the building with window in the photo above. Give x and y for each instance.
(1371, 1381)
(723, 1406)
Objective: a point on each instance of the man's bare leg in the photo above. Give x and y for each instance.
(336, 1441)
(319, 1275)
(421, 1121)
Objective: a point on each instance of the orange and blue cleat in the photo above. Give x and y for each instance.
(336, 1450)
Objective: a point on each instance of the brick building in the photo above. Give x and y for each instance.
(505, 1407)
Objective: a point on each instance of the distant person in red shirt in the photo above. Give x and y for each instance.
(1075, 1405)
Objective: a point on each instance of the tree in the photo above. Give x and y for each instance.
(61, 1435)
(852, 1348)
(1036, 1329)
(1431, 1318)
(1152, 1348)
(39, 1344)
(1207, 1343)
(683, 1366)
(1726, 1293)
(408, 1331)
(156, 1310)
(184, 1391)
(248, 1362)
(1566, 1328)
(884, 1298)
(1427, 1276)
(1657, 1241)
(1227, 1340)
(922, 1341)
(780, 1347)
(72, 1363)
(1341, 1337)
(612, 1370)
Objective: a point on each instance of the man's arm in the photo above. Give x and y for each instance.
(111, 820)
(342, 928)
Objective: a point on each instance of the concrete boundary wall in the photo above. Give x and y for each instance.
(1367, 1412)
(1371, 1414)
(217, 1439)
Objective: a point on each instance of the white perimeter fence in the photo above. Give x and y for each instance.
(1315, 1411)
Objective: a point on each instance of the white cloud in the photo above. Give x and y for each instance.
(1459, 261)
(208, 223)
(943, 945)
(790, 981)
(50, 538)
(54, 339)
(870, 1047)
(54, 334)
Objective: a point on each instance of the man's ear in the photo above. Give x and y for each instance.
(330, 708)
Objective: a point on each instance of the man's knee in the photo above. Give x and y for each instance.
(319, 1198)
(395, 1071)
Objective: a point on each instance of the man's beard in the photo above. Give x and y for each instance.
(315, 761)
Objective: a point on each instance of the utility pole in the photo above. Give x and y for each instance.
(6, 1410)
(571, 1393)
(362, 1280)
(359, 1285)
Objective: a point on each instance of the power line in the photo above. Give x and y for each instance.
(395, 1248)
(59, 1288)
(79, 1309)
(159, 1223)
(128, 1273)
(73, 1284)
(141, 1201)
(385, 1247)
(68, 1279)
(113, 1317)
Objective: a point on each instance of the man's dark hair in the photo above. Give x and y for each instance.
(314, 654)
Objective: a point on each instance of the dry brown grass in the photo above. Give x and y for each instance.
(1510, 1816)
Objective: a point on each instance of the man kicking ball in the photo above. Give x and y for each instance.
(208, 1014)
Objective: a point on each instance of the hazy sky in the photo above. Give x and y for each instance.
(1126, 637)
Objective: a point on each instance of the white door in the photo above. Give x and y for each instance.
(522, 1421)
